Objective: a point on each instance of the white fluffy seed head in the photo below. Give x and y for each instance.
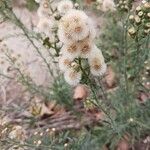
(96, 62)
(46, 26)
(71, 50)
(85, 47)
(64, 6)
(64, 37)
(98, 69)
(72, 76)
(64, 63)
(74, 26)
(96, 52)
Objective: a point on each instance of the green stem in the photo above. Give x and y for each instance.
(93, 90)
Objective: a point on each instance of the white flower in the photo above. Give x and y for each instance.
(96, 61)
(71, 50)
(64, 63)
(64, 6)
(96, 52)
(46, 26)
(99, 70)
(85, 47)
(72, 77)
(74, 26)
(64, 37)
(108, 5)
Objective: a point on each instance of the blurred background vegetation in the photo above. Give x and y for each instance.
(123, 94)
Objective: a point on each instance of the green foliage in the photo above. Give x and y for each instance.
(124, 115)
(61, 92)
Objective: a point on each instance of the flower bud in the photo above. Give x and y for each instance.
(57, 16)
(147, 25)
(74, 65)
(120, 2)
(132, 31)
(148, 68)
(138, 8)
(147, 31)
(145, 62)
(122, 6)
(147, 5)
(117, 5)
(140, 14)
(148, 15)
(137, 20)
(125, 2)
(126, 7)
(131, 18)
(76, 5)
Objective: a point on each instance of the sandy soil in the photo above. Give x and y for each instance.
(21, 46)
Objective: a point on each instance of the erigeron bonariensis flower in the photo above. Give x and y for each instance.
(64, 6)
(138, 8)
(85, 47)
(97, 63)
(99, 1)
(72, 76)
(46, 26)
(77, 33)
(74, 26)
(71, 50)
(65, 63)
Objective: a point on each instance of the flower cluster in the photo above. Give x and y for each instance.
(46, 22)
(140, 20)
(49, 15)
(76, 31)
(124, 5)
